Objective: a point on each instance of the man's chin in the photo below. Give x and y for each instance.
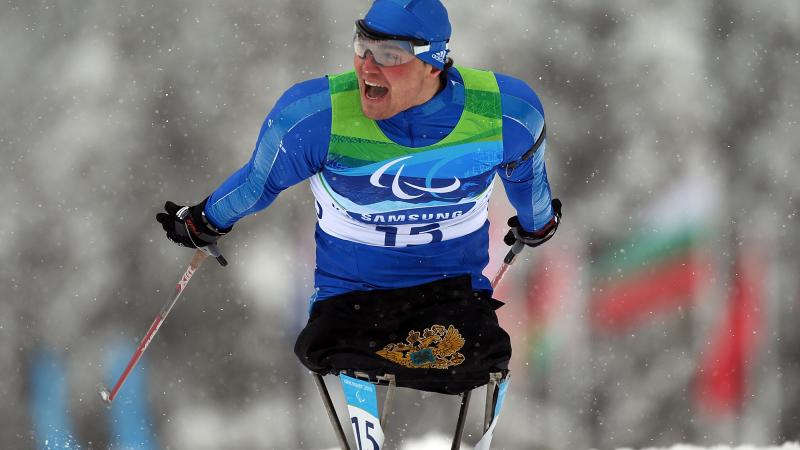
(374, 113)
(376, 108)
(373, 116)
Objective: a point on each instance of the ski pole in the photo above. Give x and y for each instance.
(462, 413)
(515, 250)
(199, 256)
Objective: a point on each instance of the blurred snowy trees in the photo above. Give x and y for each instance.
(111, 108)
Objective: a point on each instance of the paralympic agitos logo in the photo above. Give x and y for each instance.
(416, 191)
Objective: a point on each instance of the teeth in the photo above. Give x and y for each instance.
(372, 84)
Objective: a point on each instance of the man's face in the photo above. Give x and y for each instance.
(386, 91)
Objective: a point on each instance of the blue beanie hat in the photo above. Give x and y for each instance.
(425, 20)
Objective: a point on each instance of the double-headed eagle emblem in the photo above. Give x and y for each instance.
(435, 348)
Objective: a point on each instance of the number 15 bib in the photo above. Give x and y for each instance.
(376, 192)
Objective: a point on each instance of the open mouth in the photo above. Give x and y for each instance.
(374, 91)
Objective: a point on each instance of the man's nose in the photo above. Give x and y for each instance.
(369, 63)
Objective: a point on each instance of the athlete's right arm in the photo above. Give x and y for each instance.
(292, 146)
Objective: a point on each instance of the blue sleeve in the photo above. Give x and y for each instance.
(292, 146)
(526, 184)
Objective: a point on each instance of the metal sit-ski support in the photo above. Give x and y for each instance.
(391, 383)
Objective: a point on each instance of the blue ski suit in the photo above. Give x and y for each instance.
(293, 146)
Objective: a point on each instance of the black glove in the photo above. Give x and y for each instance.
(534, 239)
(188, 226)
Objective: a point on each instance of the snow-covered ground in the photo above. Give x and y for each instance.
(439, 442)
(786, 446)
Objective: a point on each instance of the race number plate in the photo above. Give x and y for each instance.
(362, 404)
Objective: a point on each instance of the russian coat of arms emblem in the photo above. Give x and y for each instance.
(436, 347)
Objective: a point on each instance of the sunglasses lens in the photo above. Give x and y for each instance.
(386, 52)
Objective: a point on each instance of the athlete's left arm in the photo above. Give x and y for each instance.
(524, 142)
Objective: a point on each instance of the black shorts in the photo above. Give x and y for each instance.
(439, 337)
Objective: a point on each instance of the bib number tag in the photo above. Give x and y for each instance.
(362, 404)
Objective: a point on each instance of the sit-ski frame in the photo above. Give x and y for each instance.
(491, 386)
(389, 380)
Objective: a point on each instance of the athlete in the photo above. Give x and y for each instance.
(401, 154)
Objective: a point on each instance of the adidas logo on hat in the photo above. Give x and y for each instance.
(440, 56)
